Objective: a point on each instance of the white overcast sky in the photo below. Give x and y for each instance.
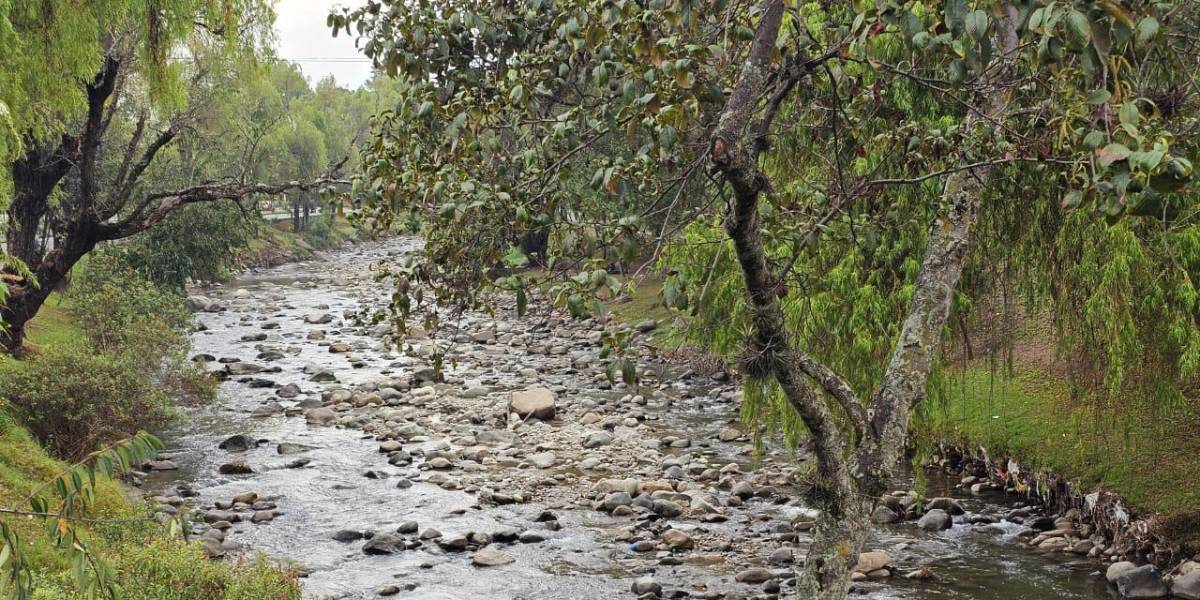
(303, 38)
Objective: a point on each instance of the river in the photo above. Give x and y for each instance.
(336, 478)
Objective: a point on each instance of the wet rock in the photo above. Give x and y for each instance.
(407, 528)
(440, 464)
(454, 543)
(383, 543)
(347, 535)
(318, 318)
(490, 557)
(1041, 524)
(288, 448)
(535, 402)
(246, 498)
(238, 443)
(235, 467)
(1142, 582)
(531, 537)
(949, 505)
(935, 520)
(729, 434)
(388, 590)
(262, 516)
(162, 465)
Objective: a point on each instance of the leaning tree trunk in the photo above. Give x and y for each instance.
(846, 492)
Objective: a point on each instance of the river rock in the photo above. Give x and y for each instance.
(1186, 586)
(383, 543)
(872, 561)
(490, 557)
(677, 540)
(235, 467)
(535, 402)
(935, 520)
(320, 416)
(884, 515)
(598, 439)
(643, 586)
(1117, 569)
(543, 460)
(237, 443)
(753, 575)
(347, 535)
(949, 505)
(1143, 582)
(616, 499)
(318, 318)
(246, 498)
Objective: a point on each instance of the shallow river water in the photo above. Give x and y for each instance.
(584, 557)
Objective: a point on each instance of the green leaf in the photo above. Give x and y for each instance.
(1072, 199)
(1098, 97)
(1147, 30)
(1129, 114)
(1093, 139)
(1079, 28)
(977, 24)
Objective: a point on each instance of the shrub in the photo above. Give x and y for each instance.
(75, 399)
(120, 310)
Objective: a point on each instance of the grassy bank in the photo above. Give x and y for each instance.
(147, 564)
(275, 243)
(1149, 456)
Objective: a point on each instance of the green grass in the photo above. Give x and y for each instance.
(1150, 456)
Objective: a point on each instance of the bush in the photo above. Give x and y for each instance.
(75, 399)
(120, 310)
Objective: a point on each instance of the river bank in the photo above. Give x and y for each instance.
(394, 483)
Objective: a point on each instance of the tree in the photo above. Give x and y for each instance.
(81, 169)
(498, 103)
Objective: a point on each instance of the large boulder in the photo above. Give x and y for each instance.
(1142, 582)
(1117, 569)
(535, 402)
(1187, 586)
(872, 561)
(935, 520)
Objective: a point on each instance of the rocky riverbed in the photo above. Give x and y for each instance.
(524, 474)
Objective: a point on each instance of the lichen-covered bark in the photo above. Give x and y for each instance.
(949, 238)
